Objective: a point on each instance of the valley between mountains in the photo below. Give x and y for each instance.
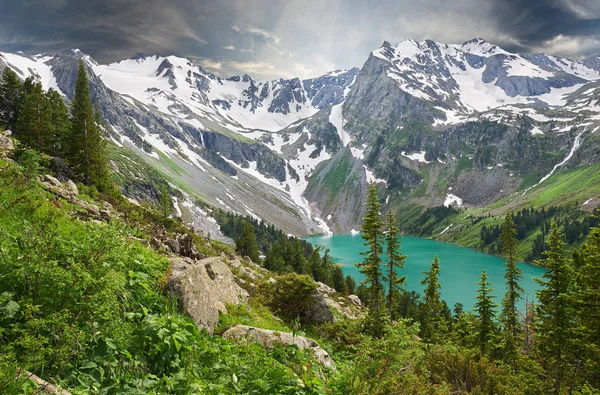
(453, 136)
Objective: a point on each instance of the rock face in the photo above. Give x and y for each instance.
(268, 339)
(327, 302)
(203, 288)
(6, 144)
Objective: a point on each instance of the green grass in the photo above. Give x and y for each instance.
(170, 163)
(567, 187)
(464, 163)
(253, 314)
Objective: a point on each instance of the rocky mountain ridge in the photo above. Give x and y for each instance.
(432, 124)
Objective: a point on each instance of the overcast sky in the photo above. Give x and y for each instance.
(289, 38)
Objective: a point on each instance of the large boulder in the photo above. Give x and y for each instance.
(328, 301)
(204, 288)
(269, 339)
(6, 143)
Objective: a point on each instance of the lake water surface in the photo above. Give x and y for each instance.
(460, 267)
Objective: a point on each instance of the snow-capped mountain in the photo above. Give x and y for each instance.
(299, 153)
(478, 76)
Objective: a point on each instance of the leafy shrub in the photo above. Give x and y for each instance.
(290, 295)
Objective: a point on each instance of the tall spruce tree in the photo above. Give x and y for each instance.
(486, 313)
(86, 147)
(246, 244)
(509, 316)
(554, 322)
(11, 93)
(165, 203)
(371, 265)
(395, 261)
(59, 118)
(34, 127)
(588, 306)
(433, 322)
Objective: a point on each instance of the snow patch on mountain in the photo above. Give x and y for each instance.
(417, 156)
(32, 66)
(337, 120)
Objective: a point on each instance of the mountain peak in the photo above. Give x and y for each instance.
(480, 47)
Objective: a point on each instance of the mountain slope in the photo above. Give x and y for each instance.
(431, 123)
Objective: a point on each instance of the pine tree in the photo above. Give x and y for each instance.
(486, 314)
(339, 283)
(34, 127)
(246, 244)
(509, 316)
(371, 265)
(434, 325)
(588, 306)
(11, 93)
(165, 203)
(350, 285)
(554, 324)
(86, 147)
(59, 118)
(395, 261)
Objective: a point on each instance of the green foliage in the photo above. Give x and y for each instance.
(165, 203)
(11, 94)
(395, 261)
(371, 265)
(509, 315)
(399, 363)
(34, 121)
(588, 306)
(485, 314)
(554, 321)
(246, 244)
(86, 152)
(435, 325)
(290, 295)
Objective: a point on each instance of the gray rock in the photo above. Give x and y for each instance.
(269, 339)
(72, 187)
(53, 181)
(326, 302)
(204, 288)
(355, 300)
(6, 143)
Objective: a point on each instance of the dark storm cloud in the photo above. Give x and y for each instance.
(268, 38)
(536, 23)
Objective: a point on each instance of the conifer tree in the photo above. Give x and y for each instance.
(509, 316)
(86, 147)
(165, 203)
(554, 324)
(339, 283)
(246, 244)
(11, 93)
(486, 314)
(588, 306)
(434, 325)
(395, 261)
(59, 118)
(34, 125)
(371, 265)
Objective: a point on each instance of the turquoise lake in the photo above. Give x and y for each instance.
(460, 267)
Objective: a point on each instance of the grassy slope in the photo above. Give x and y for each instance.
(562, 188)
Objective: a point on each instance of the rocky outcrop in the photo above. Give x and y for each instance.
(68, 190)
(204, 288)
(6, 143)
(181, 244)
(269, 339)
(328, 90)
(328, 301)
